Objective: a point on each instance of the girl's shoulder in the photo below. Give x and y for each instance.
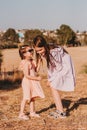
(57, 51)
(23, 63)
(59, 54)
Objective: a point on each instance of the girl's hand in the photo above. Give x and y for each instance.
(48, 84)
(38, 78)
(38, 65)
(40, 60)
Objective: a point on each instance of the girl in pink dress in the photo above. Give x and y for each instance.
(61, 75)
(30, 83)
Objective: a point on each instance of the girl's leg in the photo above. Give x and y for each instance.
(22, 115)
(32, 109)
(22, 106)
(57, 99)
(32, 106)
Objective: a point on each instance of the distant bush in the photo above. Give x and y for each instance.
(1, 60)
(8, 84)
(11, 80)
(85, 69)
(9, 44)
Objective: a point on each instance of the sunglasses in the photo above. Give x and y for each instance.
(30, 50)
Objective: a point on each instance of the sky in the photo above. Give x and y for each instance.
(43, 14)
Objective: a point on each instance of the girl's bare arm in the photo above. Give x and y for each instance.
(38, 65)
(26, 74)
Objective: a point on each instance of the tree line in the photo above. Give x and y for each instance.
(64, 36)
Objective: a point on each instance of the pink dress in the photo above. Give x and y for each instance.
(31, 88)
(61, 74)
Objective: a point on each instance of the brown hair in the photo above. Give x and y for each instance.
(40, 41)
(22, 50)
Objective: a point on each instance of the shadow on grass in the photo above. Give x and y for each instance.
(76, 105)
(47, 108)
(66, 104)
(9, 84)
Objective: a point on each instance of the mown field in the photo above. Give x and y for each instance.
(75, 103)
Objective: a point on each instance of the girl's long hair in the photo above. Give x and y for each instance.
(40, 41)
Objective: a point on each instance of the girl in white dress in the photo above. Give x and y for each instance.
(30, 83)
(61, 75)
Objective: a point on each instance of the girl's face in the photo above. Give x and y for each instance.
(40, 50)
(29, 53)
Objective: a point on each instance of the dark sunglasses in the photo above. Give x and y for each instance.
(30, 50)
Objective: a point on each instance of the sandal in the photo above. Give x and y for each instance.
(57, 114)
(33, 114)
(53, 115)
(61, 114)
(23, 117)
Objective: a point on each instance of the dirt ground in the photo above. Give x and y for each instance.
(75, 103)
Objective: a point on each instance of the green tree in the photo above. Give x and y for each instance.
(66, 35)
(10, 35)
(30, 34)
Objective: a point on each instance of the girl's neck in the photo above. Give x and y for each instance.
(29, 59)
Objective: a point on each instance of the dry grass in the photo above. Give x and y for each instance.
(75, 103)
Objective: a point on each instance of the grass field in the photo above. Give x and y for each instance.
(74, 102)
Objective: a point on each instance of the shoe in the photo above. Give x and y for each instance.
(61, 114)
(57, 114)
(53, 115)
(23, 117)
(33, 114)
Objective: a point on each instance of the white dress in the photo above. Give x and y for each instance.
(61, 73)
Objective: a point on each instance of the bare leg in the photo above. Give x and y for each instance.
(32, 106)
(32, 109)
(21, 114)
(57, 99)
(22, 107)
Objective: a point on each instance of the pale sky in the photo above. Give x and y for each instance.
(43, 14)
